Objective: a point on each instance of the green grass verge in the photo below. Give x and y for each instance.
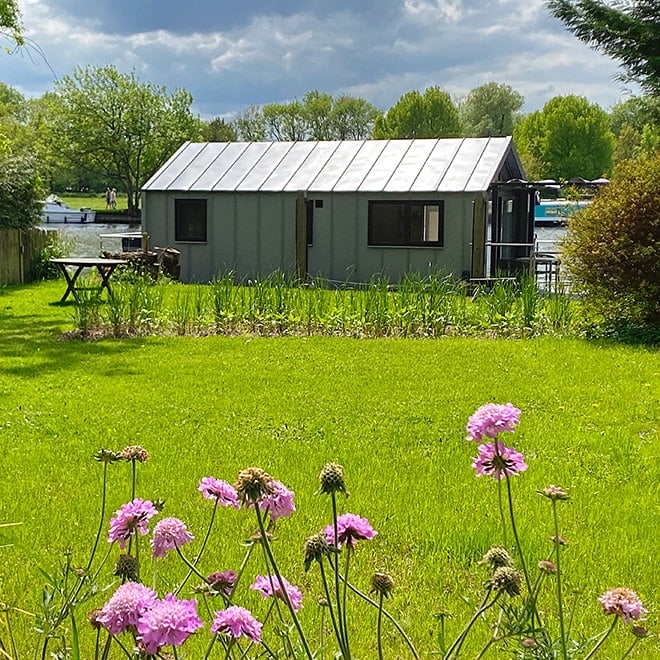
(392, 411)
(94, 201)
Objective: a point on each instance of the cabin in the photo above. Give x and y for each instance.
(345, 211)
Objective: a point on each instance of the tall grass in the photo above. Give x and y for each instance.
(420, 306)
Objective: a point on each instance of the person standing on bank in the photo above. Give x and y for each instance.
(107, 198)
(113, 199)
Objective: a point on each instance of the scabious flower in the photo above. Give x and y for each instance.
(496, 460)
(497, 556)
(332, 479)
(125, 607)
(492, 419)
(217, 489)
(134, 453)
(278, 504)
(169, 534)
(315, 548)
(252, 484)
(133, 516)
(623, 602)
(237, 622)
(222, 582)
(508, 579)
(382, 583)
(270, 586)
(350, 528)
(168, 622)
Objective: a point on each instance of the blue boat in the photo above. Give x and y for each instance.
(556, 212)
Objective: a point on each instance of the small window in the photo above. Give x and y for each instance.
(408, 223)
(190, 220)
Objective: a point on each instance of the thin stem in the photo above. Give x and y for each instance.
(266, 545)
(210, 647)
(456, 646)
(500, 503)
(630, 649)
(340, 617)
(189, 564)
(601, 640)
(379, 627)
(201, 550)
(241, 570)
(332, 612)
(343, 607)
(560, 603)
(515, 534)
(134, 479)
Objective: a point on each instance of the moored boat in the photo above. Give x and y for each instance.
(556, 212)
(56, 211)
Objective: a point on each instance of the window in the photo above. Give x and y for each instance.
(406, 223)
(190, 220)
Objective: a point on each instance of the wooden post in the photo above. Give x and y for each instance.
(478, 238)
(301, 237)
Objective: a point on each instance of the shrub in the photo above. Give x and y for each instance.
(20, 192)
(612, 249)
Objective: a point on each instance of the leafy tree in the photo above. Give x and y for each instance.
(250, 124)
(285, 121)
(114, 124)
(10, 22)
(353, 118)
(317, 109)
(627, 144)
(569, 138)
(626, 31)
(218, 130)
(490, 110)
(612, 248)
(415, 115)
(20, 190)
(635, 111)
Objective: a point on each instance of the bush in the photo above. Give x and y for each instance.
(612, 248)
(20, 192)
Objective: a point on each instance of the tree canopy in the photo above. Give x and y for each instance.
(490, 110)
(570, 137)
(626, 31)
(114, 124)
(428, 115)
(10, 21)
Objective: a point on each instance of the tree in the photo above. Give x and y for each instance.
(118, 126)
(10, 22)
(250, 124)
(628, 32)
(285, 121)
(20, 190)
(218, 130)
(416, 115)
(612, 249)
(490, 110)
(353, 118)
(569, 138)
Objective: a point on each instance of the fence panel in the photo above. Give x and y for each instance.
(19, 253)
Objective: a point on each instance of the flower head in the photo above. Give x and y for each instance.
(554, 493)
(222, 582)
(169, 534)
(168, 622)
(496, 460)
(492, 419)
(279, 503)
(506, 578)
(134, 453)
(106, 456)
(252, 484)
(623, 602)
(236, 622)
(126, 606)
(315, 548)
(350, 528)
(127, 567)
(133, 516)
(270, 586)
(332, 479)
(497, 556)
(382, 584)
(217, 489)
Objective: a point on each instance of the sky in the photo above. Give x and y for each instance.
(230, 55)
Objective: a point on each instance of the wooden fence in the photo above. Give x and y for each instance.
(19, 253)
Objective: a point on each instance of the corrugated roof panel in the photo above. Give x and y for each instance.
(174, 166)
(436, 165)
(387, 164)
(488, 164)
(335, 166)
(360, 166)
(410, 166)
(265, 166)
(242, 166)
(314, 163)
(223, 162)
(462, 167)
(289, 166)
(197, 166)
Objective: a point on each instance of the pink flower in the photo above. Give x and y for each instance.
(126, 606)
(216, 489)
(350, 528)
(132, 517)
(492, 419)
(169, 534)
(622, 602)
(496, 460)
(222, 582)
(237, 622)
(270, 586)
(280, 503)
(169, 622)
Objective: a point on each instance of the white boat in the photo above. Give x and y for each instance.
(56, 211)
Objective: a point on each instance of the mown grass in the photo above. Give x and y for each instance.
(94, 201)
(391, 410)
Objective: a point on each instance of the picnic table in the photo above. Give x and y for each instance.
(105, 268)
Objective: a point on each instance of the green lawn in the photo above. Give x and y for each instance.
(95, 201)
(392, 411)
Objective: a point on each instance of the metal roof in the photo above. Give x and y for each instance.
(429, 165)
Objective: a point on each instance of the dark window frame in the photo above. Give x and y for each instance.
(405, 217)
(184, 206)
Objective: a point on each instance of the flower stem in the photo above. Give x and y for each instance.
(601, 640)
(330, 607)
(340, 616)
(560, 604)
(189, 564)
(502, 516)
(379, 627)
(343, 606)
(515, 534)
(458, 643)
(630, 648)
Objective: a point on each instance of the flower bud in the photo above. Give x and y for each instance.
(332, 479)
